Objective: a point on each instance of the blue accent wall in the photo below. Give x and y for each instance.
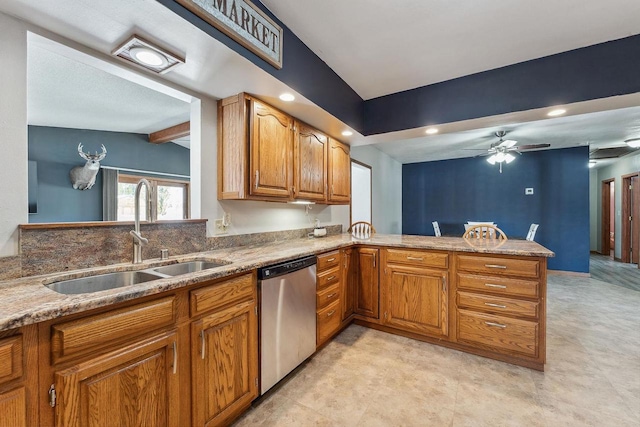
(56, 152)
(453, 192)
(598, 71)
(302, 69)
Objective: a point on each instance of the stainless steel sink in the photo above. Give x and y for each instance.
(102, 282)
(186, 267)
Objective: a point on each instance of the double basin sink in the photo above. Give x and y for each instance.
(102, 282)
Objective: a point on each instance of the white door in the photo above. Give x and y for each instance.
(360, 192)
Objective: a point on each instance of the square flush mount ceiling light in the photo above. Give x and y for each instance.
(139, 51)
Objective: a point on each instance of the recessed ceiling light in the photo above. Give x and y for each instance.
(287, 97)
(633, 142)
(138, 51)
(147, 56)
(431, 131)
(556, 112)
(347, 133)
(592, 163)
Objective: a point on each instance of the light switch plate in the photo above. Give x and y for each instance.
(528, 191)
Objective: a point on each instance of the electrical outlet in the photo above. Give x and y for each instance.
(528, 191)
(218, 227)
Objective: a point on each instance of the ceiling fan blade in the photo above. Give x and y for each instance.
(532, 146)
(508, 143)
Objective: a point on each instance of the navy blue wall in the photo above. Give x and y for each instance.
(55, 151)
(302, 70)
(453, 192)
(598, 71)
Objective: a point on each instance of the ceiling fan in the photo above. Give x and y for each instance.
(500, 151)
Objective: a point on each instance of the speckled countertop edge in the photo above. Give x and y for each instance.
(26, 301)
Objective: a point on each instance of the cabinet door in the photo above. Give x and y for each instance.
(134, 386)
(339, 172)
(271, 152)
(415, 299)
(13, 408)
(224, 364)
(347, 290)
(310, 176)
(366, 301)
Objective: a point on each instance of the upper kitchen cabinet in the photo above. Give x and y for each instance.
(255, 150)
(310, 163)
(339, 173)
(265, 154)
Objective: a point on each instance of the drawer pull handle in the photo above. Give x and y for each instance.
(330, 259)
(413, 258)
(491, 285)
(330, 278)
(503, 267)
(329, 314)
(175, 357)
(331, 295)
(495, 305)
(497, 325)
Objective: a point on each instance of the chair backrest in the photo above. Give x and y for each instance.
(532, 232)
(361, 230)
(436, 228)
(484, 231)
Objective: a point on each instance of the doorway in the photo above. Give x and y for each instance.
(631, 218)
(360, 192)
(608, 218)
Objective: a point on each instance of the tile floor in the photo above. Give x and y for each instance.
(369, 378)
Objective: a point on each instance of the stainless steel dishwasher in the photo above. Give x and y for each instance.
(288, 318)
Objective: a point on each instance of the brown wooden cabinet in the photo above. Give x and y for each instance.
(415, 295)
(265, 154)
(224, 364)
(135, 385)
(329, 297)
(271, 150)
(18, 377)
(339, 172)
(310, 163)
(367, 289)
(348, 283)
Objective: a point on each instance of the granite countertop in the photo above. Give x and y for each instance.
(26, 301)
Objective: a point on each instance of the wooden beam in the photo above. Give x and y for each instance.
(169, 134)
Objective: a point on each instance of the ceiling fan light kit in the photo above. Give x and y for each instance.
(500, 152)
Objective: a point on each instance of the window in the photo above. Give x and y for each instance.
(169, 198)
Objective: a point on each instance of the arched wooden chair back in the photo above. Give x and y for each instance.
(361, 230)
(484, 231)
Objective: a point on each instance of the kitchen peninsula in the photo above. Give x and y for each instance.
(488, 300)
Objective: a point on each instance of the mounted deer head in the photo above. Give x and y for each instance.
(83, 177)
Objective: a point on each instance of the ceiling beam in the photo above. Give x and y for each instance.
(171, 133)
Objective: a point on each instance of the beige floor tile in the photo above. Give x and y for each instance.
(293, 414)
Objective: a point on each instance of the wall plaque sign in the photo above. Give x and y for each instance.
(245, 23)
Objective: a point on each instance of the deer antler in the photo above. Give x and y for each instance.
(101, 155)
(82, 153)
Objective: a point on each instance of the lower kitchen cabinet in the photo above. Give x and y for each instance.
(347, 289)
(132, 386)
(415, 299)
(224, 364)
(367, 281)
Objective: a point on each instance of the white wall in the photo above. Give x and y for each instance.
(13, 132)
(626, 165)
(386, 188)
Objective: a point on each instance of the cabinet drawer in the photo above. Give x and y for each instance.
(10, 358)
(327, 278)
(498, 305)
(327, 261)
(106, 329)
(499, 285)
(327, 296)
(498, 332)
(422, 258)
(499, 265)
(221, 293)
(328, 321)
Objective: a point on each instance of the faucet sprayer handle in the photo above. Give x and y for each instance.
(137, 237)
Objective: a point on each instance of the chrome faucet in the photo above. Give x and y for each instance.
(138, 240)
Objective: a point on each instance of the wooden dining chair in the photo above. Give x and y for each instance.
(361, 230)
(484, 231)
(532, 232)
